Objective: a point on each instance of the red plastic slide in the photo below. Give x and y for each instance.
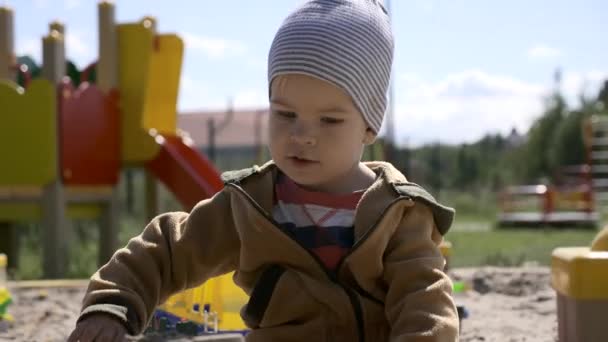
(188, 174)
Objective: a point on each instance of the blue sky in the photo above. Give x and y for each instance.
(462, 67)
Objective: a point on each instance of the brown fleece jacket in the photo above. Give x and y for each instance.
(389, 287)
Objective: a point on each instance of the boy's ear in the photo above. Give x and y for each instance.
(369, 137)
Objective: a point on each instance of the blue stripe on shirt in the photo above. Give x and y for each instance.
(312, 236)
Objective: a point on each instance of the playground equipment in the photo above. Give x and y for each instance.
(67, 138)
(548, 205)
(579, 188)
(66, 144)
(596, 142)
(578, 275)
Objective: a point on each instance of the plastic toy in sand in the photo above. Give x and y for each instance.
(5, 295)
(5, 301)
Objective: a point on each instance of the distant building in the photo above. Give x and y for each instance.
(240, 143)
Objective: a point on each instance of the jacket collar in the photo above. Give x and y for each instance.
(373, 202)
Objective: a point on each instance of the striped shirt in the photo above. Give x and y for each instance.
(320, 222)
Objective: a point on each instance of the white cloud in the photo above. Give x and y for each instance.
(574, 84)
(463, 107)
(475, 83)
(213, 47)
(466, 105)
(80, 47)
(195, 95)
(542, 51)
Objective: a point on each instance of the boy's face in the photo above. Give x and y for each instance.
(317, 135)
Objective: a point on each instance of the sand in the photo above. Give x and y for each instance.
(503, 304)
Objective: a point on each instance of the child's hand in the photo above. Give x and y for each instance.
(98, 327)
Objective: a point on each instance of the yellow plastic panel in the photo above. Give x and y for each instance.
(135, 44)
(580, 273)
(223, 296)
(84, 211)
(160, 108)
(28, 134)
(20, 212)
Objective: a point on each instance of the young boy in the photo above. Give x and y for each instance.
(328, 248)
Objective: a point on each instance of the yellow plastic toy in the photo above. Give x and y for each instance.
(215, 304)
(579, 277)
(5, 301)
(5, 296)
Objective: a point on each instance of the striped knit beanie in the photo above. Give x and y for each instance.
(348, 43)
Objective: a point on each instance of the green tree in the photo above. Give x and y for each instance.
(568, 147)
(603, 96)
(467, 167)
(541, 137)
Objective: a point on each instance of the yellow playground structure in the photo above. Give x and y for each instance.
(66, 134)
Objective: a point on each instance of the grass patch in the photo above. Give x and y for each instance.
(82, 260)
(471, 206)
(512, 247)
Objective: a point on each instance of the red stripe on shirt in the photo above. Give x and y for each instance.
(290, 192)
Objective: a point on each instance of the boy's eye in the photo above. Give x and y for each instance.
(331, 120)
(286, 114)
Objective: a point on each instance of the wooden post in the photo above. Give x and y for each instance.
(53, 57)
(149, 22)
(58, 27)
(54, 224)
(8, 234)
(130, 190)
(107, 79)
(107, 65)
(7, 54)
(109, 228)
(151, 185)
(55, 232)
(9, 244)
(152, 198)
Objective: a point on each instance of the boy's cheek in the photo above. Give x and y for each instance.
(278, 127)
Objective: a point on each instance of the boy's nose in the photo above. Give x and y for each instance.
(303, 136)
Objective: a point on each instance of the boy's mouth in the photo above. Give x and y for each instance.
(302, 161)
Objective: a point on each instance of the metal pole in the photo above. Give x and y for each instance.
(107, 65)
(7, 53)
(211, 131)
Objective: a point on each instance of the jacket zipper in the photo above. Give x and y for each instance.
(362, 240)
(352, 295)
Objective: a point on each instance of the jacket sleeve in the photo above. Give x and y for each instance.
(174, 252)
(419, 304)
